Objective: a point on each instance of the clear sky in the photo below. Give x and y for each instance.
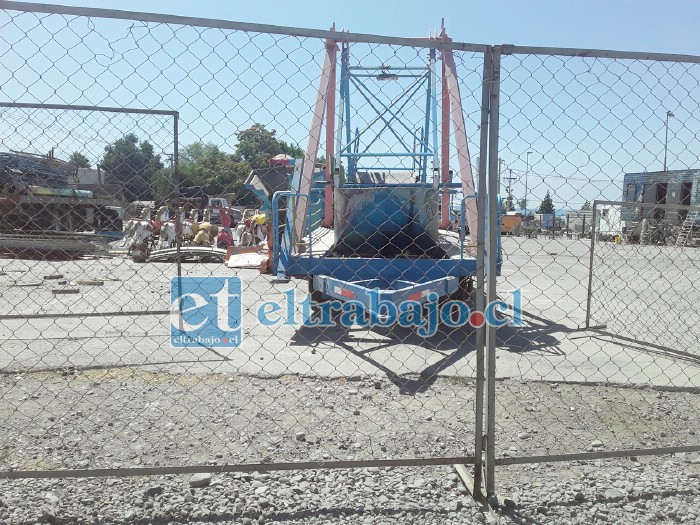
(586, 121)
(629, 25)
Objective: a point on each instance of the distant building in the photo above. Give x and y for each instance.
(675, 187)
(94, 181)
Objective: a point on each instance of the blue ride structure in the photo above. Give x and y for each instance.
(374, 223)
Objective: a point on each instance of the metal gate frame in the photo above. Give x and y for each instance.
(602, 329)
(176, 195)
(490, 460)
(488, 109)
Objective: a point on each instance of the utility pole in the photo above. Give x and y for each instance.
(527, 169)
(669, 114)
(169, 156)
(500, 166)
(509, 200)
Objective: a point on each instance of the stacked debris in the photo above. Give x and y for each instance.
(42, 211)
(28, 169)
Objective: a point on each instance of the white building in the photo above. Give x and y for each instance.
(608, 222)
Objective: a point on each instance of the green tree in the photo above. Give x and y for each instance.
(211, 168)
(547, 206)
(586, 206)
(293, 151)
(522, 204)
(79, 160)
(217, 171)
(162, 183)
(257, 145)
(132, 164)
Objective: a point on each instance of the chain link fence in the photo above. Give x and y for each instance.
(93, 377)
(605, 362)
(297, 178)
(653, 262)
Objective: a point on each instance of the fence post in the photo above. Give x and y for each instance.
(176, 188)
(492, 254)
(480, 299)
(590, 266)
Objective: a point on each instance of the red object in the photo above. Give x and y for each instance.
(280, 160)
(330, 136)
(476, 319)
(225, 216)
(224, 239)
(445, 147)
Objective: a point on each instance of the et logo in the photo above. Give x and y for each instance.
(205, 312)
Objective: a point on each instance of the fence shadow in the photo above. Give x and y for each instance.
(537, 335)
(647, 347)
(453, 344)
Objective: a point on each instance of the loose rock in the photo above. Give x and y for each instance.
(200, 480)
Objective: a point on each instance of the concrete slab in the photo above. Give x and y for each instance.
(552, 275)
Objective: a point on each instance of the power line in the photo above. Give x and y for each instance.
(565, 177)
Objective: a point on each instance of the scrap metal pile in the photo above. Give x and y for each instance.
(26, 170)
(194, 234)
(42, 213)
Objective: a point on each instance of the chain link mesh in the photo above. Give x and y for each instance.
(90, 378)
(651, 266)
(575, 131)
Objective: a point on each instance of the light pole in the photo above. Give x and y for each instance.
(500, 168)
(669, 114)
(527, 168)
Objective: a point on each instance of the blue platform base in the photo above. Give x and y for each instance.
(362, 269)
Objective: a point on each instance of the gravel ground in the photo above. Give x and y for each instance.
(658, 490)
(130, 417)
(132, 403)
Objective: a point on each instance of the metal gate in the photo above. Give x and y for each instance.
(93, 350)
(90, 353)
(604, 364)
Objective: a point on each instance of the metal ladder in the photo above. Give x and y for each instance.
(687, 228)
